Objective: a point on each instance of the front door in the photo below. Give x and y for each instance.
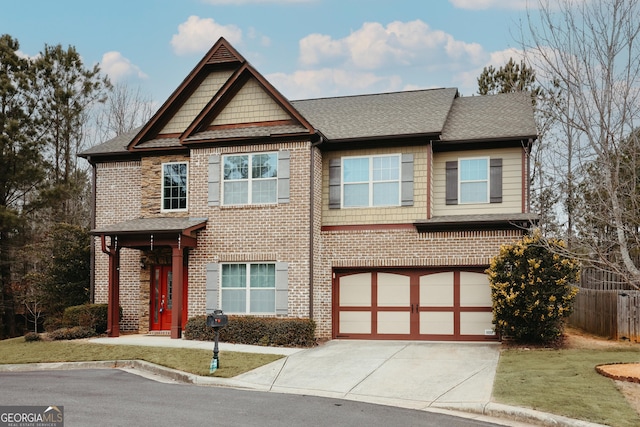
(161, 297)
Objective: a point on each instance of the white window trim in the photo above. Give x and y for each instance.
(370, 182)
(247, 288)
(488, 180)
(248, 180)
(162, 208)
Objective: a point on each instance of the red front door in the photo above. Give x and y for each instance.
(162, 300)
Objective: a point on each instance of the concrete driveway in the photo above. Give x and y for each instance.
(407, 374)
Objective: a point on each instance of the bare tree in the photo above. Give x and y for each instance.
(589, 49)
(126, 108)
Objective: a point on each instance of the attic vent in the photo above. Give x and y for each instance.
(222, 55)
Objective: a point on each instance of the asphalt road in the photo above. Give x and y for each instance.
(111, 397)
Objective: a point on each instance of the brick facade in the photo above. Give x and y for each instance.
(390, 248)
(118, 198)
(225, 107)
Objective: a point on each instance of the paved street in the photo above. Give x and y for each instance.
(111, 397)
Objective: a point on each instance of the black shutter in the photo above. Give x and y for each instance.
(452, 182)
(334, 183)
(495, 181)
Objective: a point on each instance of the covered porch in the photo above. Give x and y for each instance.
(147, 234)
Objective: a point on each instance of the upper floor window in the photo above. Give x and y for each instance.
(250, 179)
(174, 186)
(474, 180)
(371, 181)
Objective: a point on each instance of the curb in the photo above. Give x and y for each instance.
(148, 370)
(526, 415)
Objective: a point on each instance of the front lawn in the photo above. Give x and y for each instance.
(197, 362)
(564, 382)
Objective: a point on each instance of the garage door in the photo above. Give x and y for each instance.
(412, 304)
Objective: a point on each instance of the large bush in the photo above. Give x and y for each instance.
(531, 288)
(92, 316)
(266, 331)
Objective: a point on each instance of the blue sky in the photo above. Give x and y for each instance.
(306, 48)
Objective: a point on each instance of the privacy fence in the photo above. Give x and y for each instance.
(604, 307)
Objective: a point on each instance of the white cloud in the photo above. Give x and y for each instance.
(253, 34)
(325, 82)
(23, 55)
(197, 35)
(117, 67)
(493, 4)
(375, 46)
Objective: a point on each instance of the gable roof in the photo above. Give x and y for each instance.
(495, 117)
(221, 74)
(223, 77)
(420, 112)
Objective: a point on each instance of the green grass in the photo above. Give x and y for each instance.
(195, 361)
(565, 382)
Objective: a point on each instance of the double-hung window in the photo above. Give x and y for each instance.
(474, 180)
(250, 179)
(369, 181)
(249, 288)
(174, 186)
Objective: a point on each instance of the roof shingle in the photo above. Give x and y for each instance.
(501, 116)
(388, 114)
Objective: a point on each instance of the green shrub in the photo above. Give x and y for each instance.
(72, 333)
(531, 288)
(265, 331)
(52, 323)
(32, 336)
(92, 316)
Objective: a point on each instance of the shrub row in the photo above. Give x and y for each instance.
(265, 331)
(73, 333)
(32, 336)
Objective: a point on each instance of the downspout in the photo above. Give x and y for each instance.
(92, 249)
(312, 220)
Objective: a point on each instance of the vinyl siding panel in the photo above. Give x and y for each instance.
(194, 105)
(511, 183)
(250, 105)
(384, 215)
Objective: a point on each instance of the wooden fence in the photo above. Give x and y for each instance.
(593, 278)
(614, 314)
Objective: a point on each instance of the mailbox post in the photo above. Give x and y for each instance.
(216, 320)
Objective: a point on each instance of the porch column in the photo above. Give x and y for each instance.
(176, 313)
(113, 310)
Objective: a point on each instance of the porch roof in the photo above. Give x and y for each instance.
(521, 221)
(184, 225)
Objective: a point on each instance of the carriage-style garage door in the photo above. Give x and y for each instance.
(412, 304)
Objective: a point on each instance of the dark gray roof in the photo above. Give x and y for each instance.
(151, 225)
(115, 145)
(247, 132)
(488, 221)
(160, 143)
(501, 116)
(387, 114)
(420, 112)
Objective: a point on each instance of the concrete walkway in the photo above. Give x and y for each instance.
(409, 374)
